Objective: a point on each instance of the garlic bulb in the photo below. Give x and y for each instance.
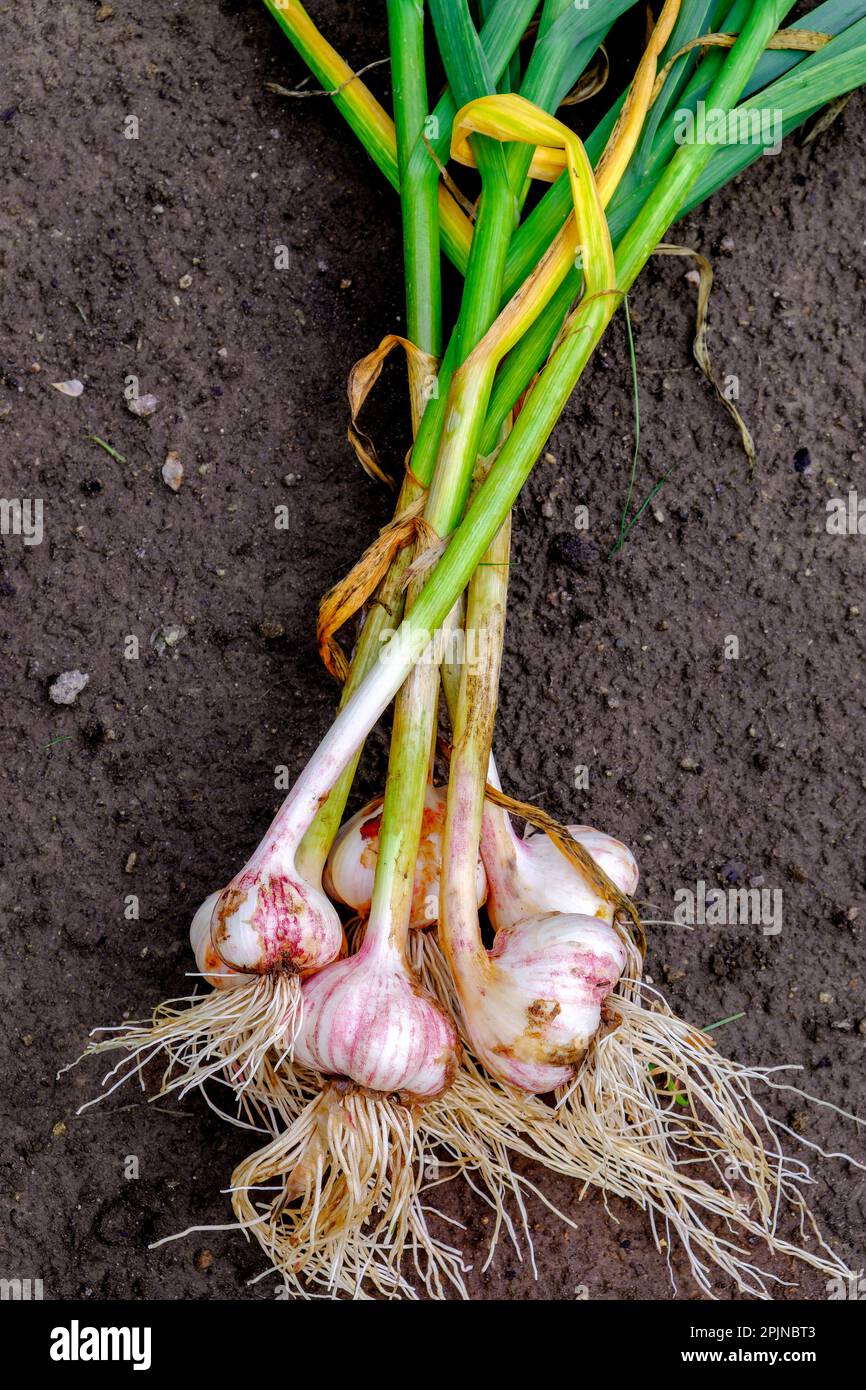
(532, 876)
(533, 1004)
(351, 866)
(269, 920)
(368, 1019)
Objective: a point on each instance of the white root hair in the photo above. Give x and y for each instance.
(347, 1215)
(658, 1116)
(237, 1037)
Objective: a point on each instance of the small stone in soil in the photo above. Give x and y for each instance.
(172, 470)
(67, 687)
(142, 406)
(732, 872)
(802, 461)
(164, 638)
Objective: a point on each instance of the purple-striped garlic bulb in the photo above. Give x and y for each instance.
(368, 1020)
(270, 920)
(533, 1004)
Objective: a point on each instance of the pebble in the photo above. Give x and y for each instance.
(802, 461)
(67, 687)
(142, 406)
(184, 282)
(203, 1259)
(172, 470)
(73, 387)
(733, 872)
(164, 638)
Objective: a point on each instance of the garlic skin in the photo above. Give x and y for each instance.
(351, 866)
(367, 1019)
(533, 1005)
(268, 920)
(217, 974)
(528, 877)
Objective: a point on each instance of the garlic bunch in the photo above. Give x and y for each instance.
(532, 876)
(368, 1020)
(351, 866)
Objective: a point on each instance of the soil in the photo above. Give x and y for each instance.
(154, 258)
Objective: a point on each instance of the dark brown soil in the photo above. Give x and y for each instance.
(160, 779)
